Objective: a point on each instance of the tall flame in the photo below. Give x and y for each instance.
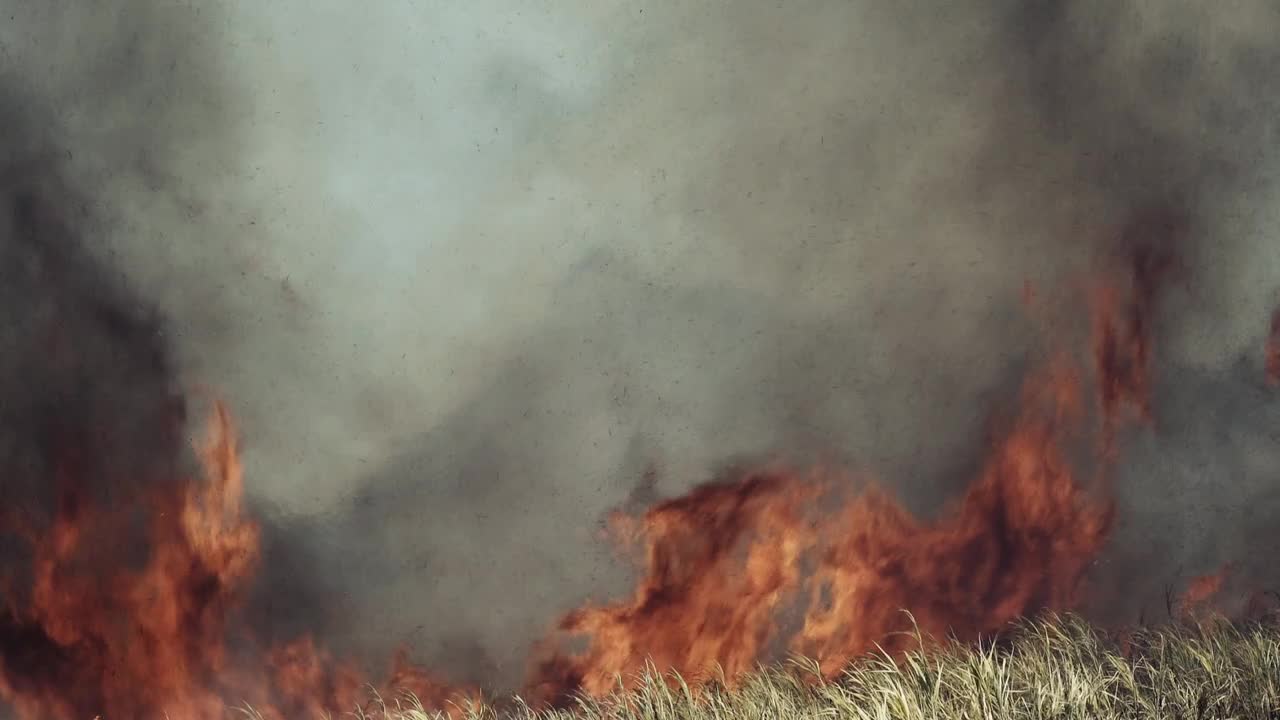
(718, 562)
(722, 564)
(762, 561)
(97, 636)
(1018, 541)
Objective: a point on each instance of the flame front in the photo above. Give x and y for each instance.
(722, 564)
(718, 562)
(98, 637)
(1019, 541)
(734, 573)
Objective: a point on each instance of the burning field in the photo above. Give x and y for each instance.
(126, 574)
(909, 396)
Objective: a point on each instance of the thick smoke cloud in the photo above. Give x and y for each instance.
(466, 271)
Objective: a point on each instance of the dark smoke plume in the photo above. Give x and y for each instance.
(89, 412)
(467, 275)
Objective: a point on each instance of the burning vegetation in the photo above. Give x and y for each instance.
(95, 633)
(123, 571)
(124, 595)
(723, 563)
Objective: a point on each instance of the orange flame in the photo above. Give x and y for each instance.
(1122, 338)
(694, 608)
(723, 563)
(1200, 592)
(1019, 541)
(734, 572)
(100, 637)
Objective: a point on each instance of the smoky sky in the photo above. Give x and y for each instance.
(464, 272)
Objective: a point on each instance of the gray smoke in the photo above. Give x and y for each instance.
(465, 271)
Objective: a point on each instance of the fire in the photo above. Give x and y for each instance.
(725, 563)
(101, 635)
(1123, 337)
(1018, 541)
(309, 682)
(695, 607)
(125, 641)
(1200, 592)
(130, 609)
(721, 564)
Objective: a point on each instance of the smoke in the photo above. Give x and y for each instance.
(465, 273)
(87, 389)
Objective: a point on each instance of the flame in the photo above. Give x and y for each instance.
(695, 608)
(97, 636)
(722, 564)
(1018, 541)
(762, 561)
(1199, 594)
(1123, 338)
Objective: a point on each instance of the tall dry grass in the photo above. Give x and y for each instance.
(1055, 668)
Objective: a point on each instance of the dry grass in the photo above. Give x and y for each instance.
(1058, 668)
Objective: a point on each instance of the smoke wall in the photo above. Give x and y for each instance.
(466, 273)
